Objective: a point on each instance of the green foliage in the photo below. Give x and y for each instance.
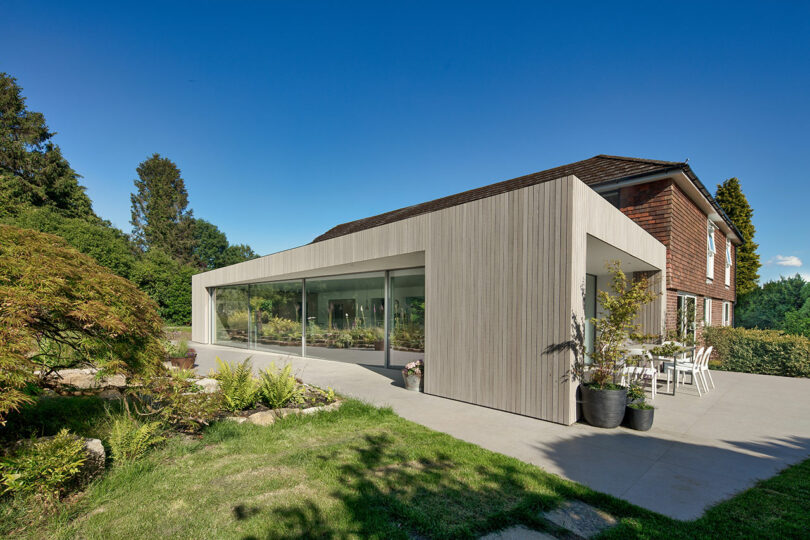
(278, 388)
(81, 415)
(176, 401)
(767, 307)
(167, 282)
(613, 329)
(32, 169)
(178, 350)
(43, 466)
(235, 254)
(129, 439)
(109, 246)
(238, 386)
(767, 352)
(732, 200)
(209, 244)
(61, 309)
(160, 218)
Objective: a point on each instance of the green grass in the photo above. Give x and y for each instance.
(363, 472)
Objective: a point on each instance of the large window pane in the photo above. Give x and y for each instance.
(346, 318)
(275, 310)
(407, 316)
(231, 316)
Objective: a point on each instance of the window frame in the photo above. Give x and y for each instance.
(711, 248)
(728, 262)
(707, 312)
(726, 313)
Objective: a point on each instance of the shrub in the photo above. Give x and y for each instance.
(237, 384)
(176, 401)
(43, 466)
(278, 388)
(767, 352)
(129, 439)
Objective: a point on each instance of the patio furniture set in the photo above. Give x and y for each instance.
(678, 365)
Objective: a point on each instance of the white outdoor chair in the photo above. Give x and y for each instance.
(704, 368)
(647, 371)
(692, 368)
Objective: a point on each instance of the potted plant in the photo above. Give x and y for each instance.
(412, 374)
(180, 355)
(638, 414)
(604, 399)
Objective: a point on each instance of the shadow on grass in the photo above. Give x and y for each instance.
(82, 415)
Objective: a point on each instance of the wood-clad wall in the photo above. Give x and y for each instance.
(503, 278)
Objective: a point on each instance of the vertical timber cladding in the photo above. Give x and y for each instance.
(499, 290)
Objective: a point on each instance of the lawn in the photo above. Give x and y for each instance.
(363, 472)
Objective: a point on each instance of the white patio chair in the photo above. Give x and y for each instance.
(692, 368)
(646, 371)
(704, 368)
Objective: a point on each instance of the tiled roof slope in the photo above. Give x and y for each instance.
(596, 170)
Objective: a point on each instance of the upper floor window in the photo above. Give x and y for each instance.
(728, 262)
(710, 249)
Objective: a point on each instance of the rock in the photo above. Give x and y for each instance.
(518, 532)
(208, 385)
(47, 392)
(580, 518)
(281, 413)
(96, 458)
(263, 418)
(237, 419)
(85, 379)
(110, 393)
(323, 408)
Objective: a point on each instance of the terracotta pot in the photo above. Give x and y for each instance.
(183, 362)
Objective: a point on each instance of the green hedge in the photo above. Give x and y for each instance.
(768, 352)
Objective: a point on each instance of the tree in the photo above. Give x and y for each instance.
(767, 307)
(160, 217)
(236, 254)
(209, 244)
(168, 282)
(61, 309)
(32, 169)
(734, 203)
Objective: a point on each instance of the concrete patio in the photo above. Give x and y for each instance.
(700, 451)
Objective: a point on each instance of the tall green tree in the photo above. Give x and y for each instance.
(735, 204)
(160, 215)
(767, 307)
(212, 250)
(33, 171)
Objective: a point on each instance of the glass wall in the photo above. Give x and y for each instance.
(406, 324)
(231, 316)
(276, 316)
(346, 318)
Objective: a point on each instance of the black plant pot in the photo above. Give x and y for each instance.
(640, 419)
(603, 408)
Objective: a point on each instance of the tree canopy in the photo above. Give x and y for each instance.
(735, 204)
(32, 169)
(160, 215)
(783, 304)
(61, 309)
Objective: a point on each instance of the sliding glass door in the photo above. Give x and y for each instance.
(406, 316)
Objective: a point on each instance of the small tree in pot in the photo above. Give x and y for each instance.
(639, 413)
(603, 398)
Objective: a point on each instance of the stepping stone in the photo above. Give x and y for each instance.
(519, 532)
(581, 519)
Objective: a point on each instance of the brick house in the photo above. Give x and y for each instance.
(488, 286)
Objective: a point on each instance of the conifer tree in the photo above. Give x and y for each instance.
(734, 203)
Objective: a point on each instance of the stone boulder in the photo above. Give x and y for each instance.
(85, 379)
(263, 418)
(96, 458)
(209, 385)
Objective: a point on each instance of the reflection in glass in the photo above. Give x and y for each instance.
(275, 317)
(346, 318)
(407, 318)
(231, 320)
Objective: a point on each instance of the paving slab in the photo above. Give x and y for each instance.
(580, 518)
(518, 532)
(700, 450)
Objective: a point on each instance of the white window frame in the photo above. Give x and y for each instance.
(707, 312)
(728, 262)
(726, 313)
(711, 249)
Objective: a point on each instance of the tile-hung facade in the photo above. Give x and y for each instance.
(486, 285)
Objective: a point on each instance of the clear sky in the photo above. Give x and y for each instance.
(287, 118)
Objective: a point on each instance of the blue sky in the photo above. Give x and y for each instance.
(287, 118)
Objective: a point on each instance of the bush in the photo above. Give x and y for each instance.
(767, 352)
(176, 401)
(129, 439)
(237, 384)
(278, 388)
(45, 467)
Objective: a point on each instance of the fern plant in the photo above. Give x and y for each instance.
(278, 388)
(239, 387)
(129, 439)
